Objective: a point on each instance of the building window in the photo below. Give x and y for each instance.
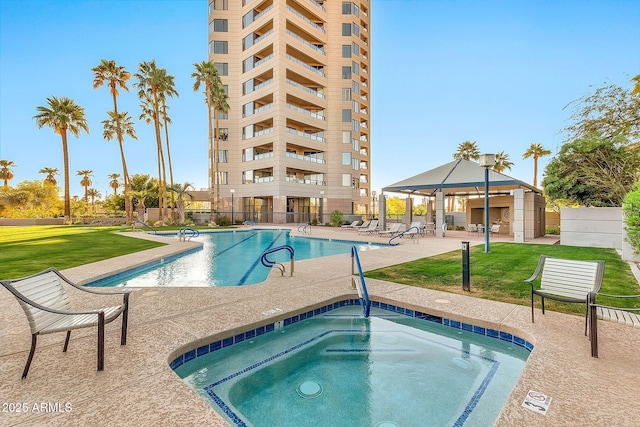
(247, 42)
(355, 67)
(346, 136)
(223, 68)
(221, 178)
(346, 158)
(355, 145)
(346, 116)
(219, 47)
(219, 26)
(355, 126)
(355, 164)
(346, 8)
(346, 180)
(355, 87)
(222, 115)
(346, 94)
(346, 51)
(223, 156)
(346, 29)
(355, 107)
(355, 30)
(355, 48)
(223, 134)
(247, 64)
(219, 5)
(346, 73)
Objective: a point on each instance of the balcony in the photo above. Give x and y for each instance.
(306, 112)
(318, 71)
(306, 89)
(263, 60)
(311, 45)
(304, 18)
(259, 110)
(305, 158)
(258, 156)
(307, 181)
(318, 136)
(318, 5)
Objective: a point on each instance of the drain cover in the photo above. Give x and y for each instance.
(309, 389)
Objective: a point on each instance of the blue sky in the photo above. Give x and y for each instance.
(496, 72)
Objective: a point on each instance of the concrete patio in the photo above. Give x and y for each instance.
(137, 386)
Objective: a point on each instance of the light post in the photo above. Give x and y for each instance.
(486, 161)
(321, 203)
(232, 191)
(373, 204)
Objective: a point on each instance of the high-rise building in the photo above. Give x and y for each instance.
(296, 140)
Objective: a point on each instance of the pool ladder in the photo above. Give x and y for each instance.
(269, 263)
(360, 284)
(399, 235)
(304, 229)
(145, 225)
(187, 233)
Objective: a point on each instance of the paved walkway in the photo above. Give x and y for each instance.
(137, 386)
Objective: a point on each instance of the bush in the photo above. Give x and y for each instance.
(337, 218)
(223, 221)
(553, 230)
(314, 221)
(631, 209)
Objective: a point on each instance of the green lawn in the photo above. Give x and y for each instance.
(27, 250)
(499, 275)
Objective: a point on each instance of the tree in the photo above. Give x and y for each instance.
(502, 162)
(116, 76)
(167, 89)
(94, 194)
(114, 182)
(536, 151)
(31, 199)
(150, 84)
(86, 175)
(467, 150)
(63, 115)
(593, 171)
(220, 105)
(144, 187)
(120, 124)
(51, 173)
(610, 111)
(396, 206)
(6, 174)
(207, 74)
(180, 191)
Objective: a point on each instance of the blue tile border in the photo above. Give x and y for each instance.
(225, 342)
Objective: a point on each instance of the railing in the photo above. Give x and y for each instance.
(311, 45)
(263, 84)
(304, 18)
(261, 14)
(304, 64)
(360, 285)
(262, 132)
(307, 135)
(145, 225)
(304, 229)
(259, 156)
(399, 235)
(306, 89)
(307, 112)
(319, 5)
(263, 60)
(305, 158)
(187, 233)
(269, 263)
(262, 37)
(304, 181)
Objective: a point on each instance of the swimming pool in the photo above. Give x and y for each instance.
(229, 258)
(332, 366)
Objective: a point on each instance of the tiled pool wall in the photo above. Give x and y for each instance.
(251, 333)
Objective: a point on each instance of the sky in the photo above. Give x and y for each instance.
(442, 72)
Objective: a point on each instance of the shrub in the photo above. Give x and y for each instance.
(223, 221)
(631, 209)
(314, 221)
(337, 218)
(553, 230)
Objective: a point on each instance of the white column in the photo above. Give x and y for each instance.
(408, 203)
(439, 213)
(518, 215)
(382, 212)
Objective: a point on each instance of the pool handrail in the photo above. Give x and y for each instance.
(186, 233)
(402, 234)
(269, 263)
(304, 229)
(144, 224)
(362, 289)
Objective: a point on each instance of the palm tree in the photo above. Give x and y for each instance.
(536, 151)
(114, 182)
(168, 89)
(94, 194)
(116, 76)
(123, 123)
(219, 99)
(63, 115)
(180, 191)
(150, 91)
(502, 162)
(85, 181)
(6, 173)
(467, 150)
(206, 73)
(51, 173)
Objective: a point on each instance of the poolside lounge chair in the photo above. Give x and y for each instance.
(45, 301)
(350, 226)
(392, 231)
(363, 225)
(415, 229)
(373, 226)
(430, 228)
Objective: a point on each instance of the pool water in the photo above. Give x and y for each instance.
(230, 259)
(341, 369)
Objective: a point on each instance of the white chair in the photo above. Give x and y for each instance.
(392, 231)
(373, 226)
(495, 229)
(45, 301)
(350, 226)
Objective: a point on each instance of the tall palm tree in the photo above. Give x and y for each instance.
(536, 151)
(86, 175)
(467, 150)
(120, 124)
(6, 174)
(114, 182)
(502, 162)
(150, 85)
(51, 173)
(219, 100)
(180, 191)
(168, 89)
(63, 115)
(116, 76)
(207, 74)
(94, 194)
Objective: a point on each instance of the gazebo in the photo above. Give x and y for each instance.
(518, 207)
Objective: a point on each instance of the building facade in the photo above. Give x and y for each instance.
(295, 143)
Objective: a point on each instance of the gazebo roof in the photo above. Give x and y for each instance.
(459, 177)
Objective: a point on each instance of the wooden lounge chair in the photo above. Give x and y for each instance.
(566, 280)
(45, 301)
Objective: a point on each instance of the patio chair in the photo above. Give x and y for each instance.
(45, 301)
(373, 226)
(430, 228)
(626, 315)
(363, 225)
(495, 229)
(392, 231)
(566, 280)
(415, 229)
(350, 226)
